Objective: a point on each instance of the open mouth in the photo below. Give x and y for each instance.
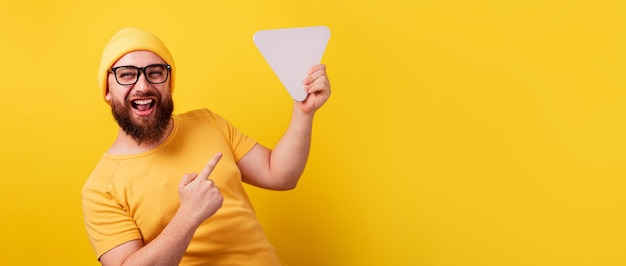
(143, 106)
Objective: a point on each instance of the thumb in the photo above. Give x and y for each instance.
(187, 178)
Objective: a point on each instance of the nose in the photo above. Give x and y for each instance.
(142, 83)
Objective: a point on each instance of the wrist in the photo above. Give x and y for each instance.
(302, 111)
(186, 219)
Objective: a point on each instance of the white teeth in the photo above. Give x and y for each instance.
(146, 101)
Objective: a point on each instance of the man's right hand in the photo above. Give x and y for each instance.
(199, 197)
(199, 200)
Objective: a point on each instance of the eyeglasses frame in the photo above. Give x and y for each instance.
(142, 70)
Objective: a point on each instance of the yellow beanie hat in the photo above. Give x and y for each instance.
(125, 41)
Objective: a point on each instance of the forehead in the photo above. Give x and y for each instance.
(139, 59)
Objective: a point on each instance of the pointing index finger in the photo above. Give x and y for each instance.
(208, 168)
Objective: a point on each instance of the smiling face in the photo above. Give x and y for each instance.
(143, 110)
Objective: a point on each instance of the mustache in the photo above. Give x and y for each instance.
(143, 95)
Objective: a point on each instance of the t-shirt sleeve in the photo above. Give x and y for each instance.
(239, 142)
(107, 221)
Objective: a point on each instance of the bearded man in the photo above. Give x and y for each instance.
(158, 195)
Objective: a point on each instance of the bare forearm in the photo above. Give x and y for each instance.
(289, 156)
(169, 247)
(281, 168)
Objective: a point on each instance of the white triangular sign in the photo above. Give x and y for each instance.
(290, 52)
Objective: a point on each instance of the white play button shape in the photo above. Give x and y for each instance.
(290, 52)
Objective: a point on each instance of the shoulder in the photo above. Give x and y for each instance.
(201, 115)
(194, 114)
(101, 175)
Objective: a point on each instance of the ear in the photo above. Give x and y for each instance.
(107, 97)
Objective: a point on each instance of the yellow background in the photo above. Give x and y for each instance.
(458, 133)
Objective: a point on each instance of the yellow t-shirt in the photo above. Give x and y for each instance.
(131, 197)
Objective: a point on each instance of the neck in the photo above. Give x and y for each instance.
(125, 144)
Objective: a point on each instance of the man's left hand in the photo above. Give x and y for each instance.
(318, 87)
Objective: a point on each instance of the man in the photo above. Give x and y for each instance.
(146, 204)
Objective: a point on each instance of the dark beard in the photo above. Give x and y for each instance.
(148, 130)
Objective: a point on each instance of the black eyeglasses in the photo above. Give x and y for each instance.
(129, 75)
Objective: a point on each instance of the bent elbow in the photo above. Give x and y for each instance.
(287, 186)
